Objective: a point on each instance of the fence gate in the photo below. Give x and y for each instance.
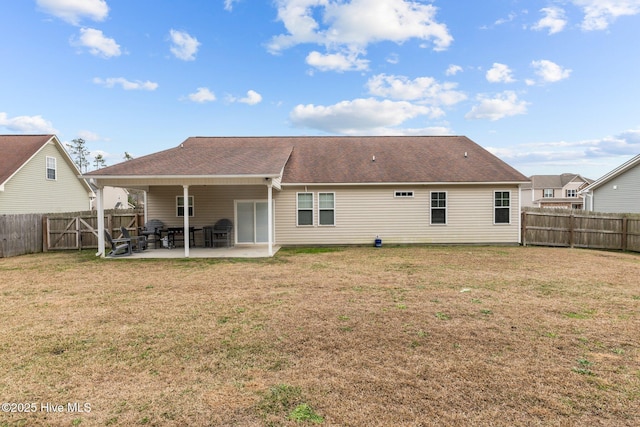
(80, 231)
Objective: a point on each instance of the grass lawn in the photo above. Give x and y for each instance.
(394, 336)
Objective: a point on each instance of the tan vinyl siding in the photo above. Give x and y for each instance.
(210, 203)
(625, 198)
(30, 192)
(364, 212)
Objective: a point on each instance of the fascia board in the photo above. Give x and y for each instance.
(351, 184)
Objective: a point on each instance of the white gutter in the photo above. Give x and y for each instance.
(310, 184)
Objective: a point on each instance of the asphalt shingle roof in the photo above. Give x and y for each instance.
(15, 150)
(332, 159)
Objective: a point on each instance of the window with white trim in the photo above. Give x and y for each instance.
(180, 206)
(572, 193)
(51, 168)
(403, 194)
(326, 209)
(305, 209)
(501, 207)
(547, 193)
(438, 207)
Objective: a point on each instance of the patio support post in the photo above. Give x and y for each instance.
(270, 216)
(146, 212)
(186, 220)
(100, 206)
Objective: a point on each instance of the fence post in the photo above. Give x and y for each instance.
(625, 226)
(523, 228)
(571, 228)
(45, 234)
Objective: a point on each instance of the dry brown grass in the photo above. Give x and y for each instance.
(505, 336)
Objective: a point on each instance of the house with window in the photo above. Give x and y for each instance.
(332, 190)
(555, 191)
(617, 191)
(38, 176)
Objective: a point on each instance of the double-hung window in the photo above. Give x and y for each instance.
(51, 168)
(572, 193)
(326, 209)
(180, 206)
(501, 207)
(305, 209)
(547, 193)
(438, 207)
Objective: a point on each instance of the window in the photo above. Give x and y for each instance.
(51, 168)
(180, 206)
(403, 194)
(305, 208)
(548, 193)
(326, 208)
(438, 207)
(501, 207)
(572, 193)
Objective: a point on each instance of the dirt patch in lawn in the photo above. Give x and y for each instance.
(414, 336)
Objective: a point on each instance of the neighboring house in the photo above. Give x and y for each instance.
(114, 198)
(618, 191)
(330, 190)
(38, 176)
(555, 191)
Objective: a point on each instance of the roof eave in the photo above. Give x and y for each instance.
(342, 184)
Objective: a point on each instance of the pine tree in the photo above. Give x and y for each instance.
(79, 153)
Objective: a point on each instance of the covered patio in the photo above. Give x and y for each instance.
(239, 251)
(201, 181)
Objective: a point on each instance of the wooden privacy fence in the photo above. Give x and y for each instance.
(580, 229)
(20, 234)
(80, 230)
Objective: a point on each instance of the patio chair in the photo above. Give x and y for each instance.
(119, 247)
(138, 243)
(222, 232)
(152, 229)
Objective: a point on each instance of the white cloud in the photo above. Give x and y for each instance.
(599, 14)
(252, 98)
(125, 84)
(453, 70)
(89, 136)
(423, 90)
(72, 11)
(549, 72)
(184, 46)
(500, 73)
(502, 105)
(202, 95)
(337, 62)
(228, 4)
(352, 26)
(97, 43)
(554, 20)
(26, 124)
(596, 156)
(360, 116)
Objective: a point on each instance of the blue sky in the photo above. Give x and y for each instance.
(548, 86)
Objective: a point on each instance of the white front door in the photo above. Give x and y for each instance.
(252, 222)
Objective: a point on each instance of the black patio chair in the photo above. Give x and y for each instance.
(152, 229)
(222, 232)
(119, 247)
